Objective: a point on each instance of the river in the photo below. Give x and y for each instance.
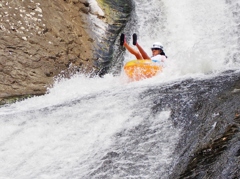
(92, 127)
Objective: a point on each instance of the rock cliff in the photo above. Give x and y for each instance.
(38, 40)
(41, 39)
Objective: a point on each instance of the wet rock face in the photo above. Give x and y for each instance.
(39, 39)
(208, 113)
(209, 145)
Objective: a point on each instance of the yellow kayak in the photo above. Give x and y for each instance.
(141, 69)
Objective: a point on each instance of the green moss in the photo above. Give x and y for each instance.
(13, 99)
(114, 9)
(106, 9)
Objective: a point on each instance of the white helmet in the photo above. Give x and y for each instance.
(157, 45)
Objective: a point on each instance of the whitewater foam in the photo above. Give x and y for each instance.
(198, 37)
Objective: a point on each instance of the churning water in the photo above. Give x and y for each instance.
(105, 127)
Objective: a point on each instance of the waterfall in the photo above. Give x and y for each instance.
(107, 128)
(198, 37)
(73, 130)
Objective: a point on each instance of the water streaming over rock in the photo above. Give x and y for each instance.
(183, 123)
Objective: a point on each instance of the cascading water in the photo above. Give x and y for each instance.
(198, 37)
(108, 128)
(72, 131)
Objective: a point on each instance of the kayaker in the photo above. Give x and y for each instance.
(158, 54)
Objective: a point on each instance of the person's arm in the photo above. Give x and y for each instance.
(163, 58)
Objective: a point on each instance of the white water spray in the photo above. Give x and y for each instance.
(198, 37)
(68, 132)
